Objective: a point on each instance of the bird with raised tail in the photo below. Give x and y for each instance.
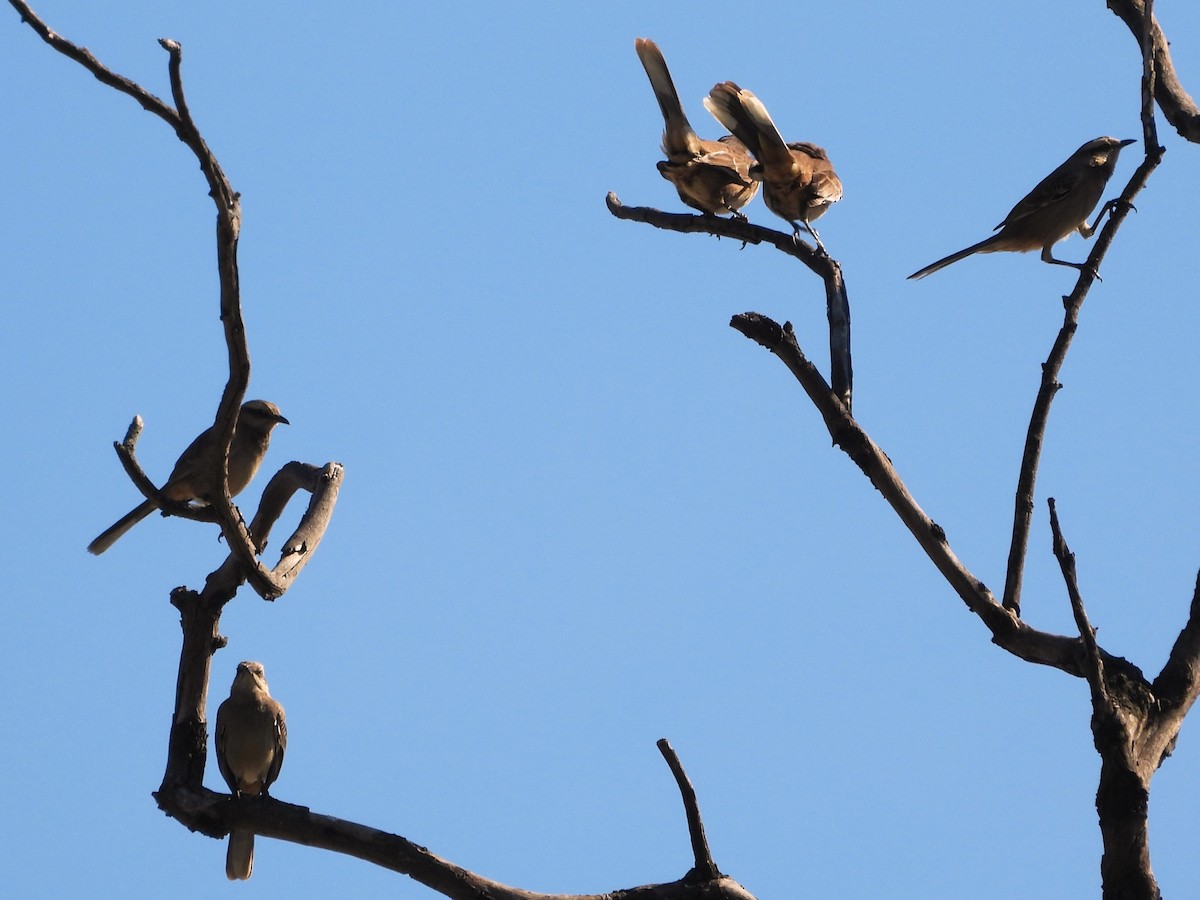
(192, 476)
(1059, 205)
(711, 176)
(798, 181)
(251, 737)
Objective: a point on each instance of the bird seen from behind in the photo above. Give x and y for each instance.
(798, 181)
(711, 176)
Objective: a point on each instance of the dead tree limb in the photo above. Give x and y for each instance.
(1135, 722)
(837, 300)
(1176, 103)
(182, 794)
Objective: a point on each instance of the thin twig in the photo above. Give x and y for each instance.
(1149, 77)
(1094, 672)
(737, 228)
(705, 869)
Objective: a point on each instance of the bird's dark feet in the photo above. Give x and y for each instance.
(1119, 203)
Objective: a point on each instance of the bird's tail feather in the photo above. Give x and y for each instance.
(678, 136)
(748, 120)
(239, 856)
(114, 532)
(984, 246)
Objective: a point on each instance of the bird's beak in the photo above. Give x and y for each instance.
(1127, 142)
(282, 421)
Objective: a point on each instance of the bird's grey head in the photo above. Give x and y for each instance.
(261, 415)
(1103, 150)
(250, 675)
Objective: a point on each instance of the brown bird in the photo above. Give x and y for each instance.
(711, 176)
(799, 183)
(1060, 204)
(190, 479)
(251, 738)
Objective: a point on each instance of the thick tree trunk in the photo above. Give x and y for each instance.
(1123, 802)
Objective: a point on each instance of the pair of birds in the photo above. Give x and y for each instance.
(799, 183)
(722, 176)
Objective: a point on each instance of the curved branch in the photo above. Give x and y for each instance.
(229, 217)
(705, 869)
(183, 796)
(1176, 104)
(1178, 684)
(324, 484)
(217, 813)
(837, 301)
(738, 227)
(126, 453)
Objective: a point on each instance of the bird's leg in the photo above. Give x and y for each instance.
(1088, 230)
(1048, 257)
(796, 226)
(736, 213)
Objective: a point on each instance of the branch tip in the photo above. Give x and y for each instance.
(705, 869)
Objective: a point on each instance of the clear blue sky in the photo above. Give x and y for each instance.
(581, 513)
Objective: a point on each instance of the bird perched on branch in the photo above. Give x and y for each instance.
(711, 176)
(251, 738)
(798, 180)
(1060, 204)
(192, 476)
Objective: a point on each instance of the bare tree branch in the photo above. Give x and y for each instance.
(1008, 631)
(705, 869)
(1049, 387)
(215, 814)
(837, 301)
(1066, 562)
(181, 793)
(1178, 684)
(228, 227)
(126, 453)
(1176, 104)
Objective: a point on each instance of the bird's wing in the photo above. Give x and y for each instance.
(1050, 190)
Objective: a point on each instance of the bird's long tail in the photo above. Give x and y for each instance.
(239, 856)
(678, 136)
(748, 120)
(984, 246)
(114, 532)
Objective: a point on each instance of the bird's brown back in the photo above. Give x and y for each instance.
(804, 188)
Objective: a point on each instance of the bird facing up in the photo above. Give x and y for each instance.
(711, 176)
(1059, 205)
(799, 183)
(250, 741)
(191, 477)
